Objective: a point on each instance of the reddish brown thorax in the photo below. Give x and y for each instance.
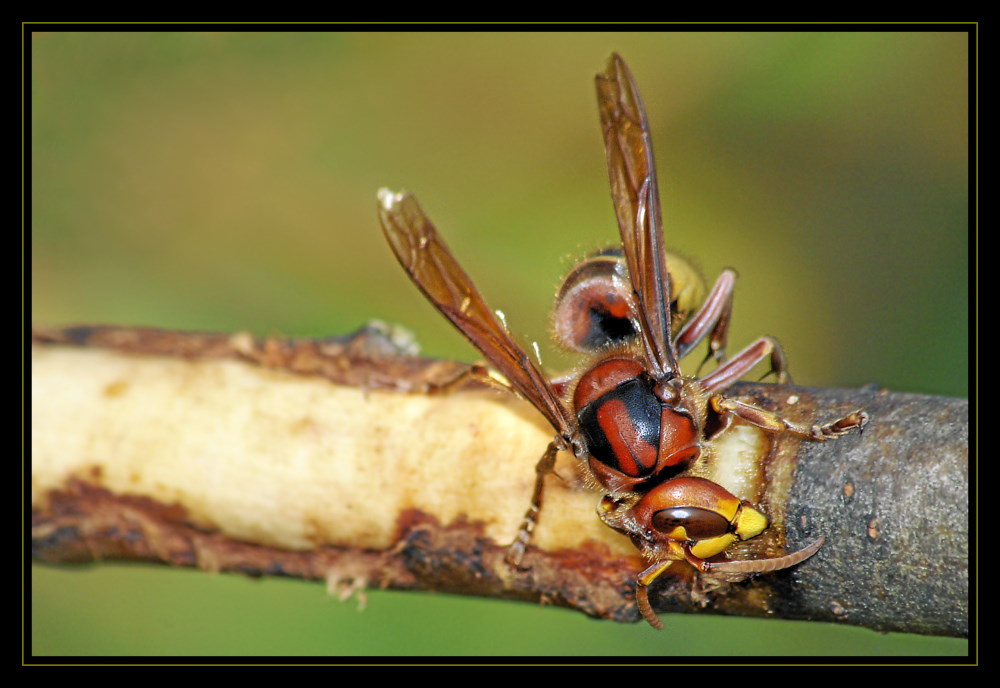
(632, 434)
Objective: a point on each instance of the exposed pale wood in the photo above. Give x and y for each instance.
(328, 460)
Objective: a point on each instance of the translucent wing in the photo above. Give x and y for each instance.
(637, 205)
(435, 271)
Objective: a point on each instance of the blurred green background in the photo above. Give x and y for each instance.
(226, 181)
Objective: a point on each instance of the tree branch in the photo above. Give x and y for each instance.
(329, 460)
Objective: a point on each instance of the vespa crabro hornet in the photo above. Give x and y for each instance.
(629, 413)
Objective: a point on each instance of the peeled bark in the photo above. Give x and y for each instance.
(334, 460)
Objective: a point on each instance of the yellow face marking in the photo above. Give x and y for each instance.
(704, 549)
(750, 523)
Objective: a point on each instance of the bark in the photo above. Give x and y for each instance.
(334, 460)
